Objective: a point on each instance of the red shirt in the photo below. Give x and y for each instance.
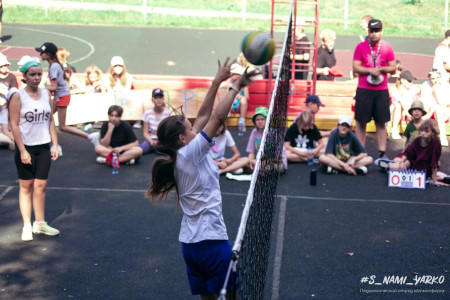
(424, 158)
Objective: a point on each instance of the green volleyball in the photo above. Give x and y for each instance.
(258, 47)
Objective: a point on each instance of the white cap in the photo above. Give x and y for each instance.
(345, 120)
(4, 60)
(117, 61)
(23, 60)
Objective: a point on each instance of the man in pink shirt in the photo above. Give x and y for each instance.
(373, 59)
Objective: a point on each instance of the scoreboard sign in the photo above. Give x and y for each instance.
(407, 179)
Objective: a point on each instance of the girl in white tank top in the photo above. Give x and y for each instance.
(35, 116)
(33, 129)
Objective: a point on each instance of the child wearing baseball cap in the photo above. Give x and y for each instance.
(344, 152)
(151, 119)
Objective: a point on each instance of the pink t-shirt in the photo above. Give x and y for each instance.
(363, 54)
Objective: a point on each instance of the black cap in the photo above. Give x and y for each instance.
(407, 75)
(47, 48)
(157, 92)
(314, 99)
(375, 24)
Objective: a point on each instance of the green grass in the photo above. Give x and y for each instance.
(400, 17)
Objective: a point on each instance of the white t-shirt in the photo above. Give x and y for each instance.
(404, 96)
(197, 177)
(153, 120)
(35, 116)
(441, 56)
(428, 97)
(222, 141)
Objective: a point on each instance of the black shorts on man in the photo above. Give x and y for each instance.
(372, 104)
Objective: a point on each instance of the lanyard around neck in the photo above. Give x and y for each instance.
(374, 56)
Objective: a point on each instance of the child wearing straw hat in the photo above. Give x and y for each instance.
(417, 111)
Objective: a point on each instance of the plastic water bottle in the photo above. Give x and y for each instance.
(241, 127)
(115, 164)
(88, 127)
(310, 158)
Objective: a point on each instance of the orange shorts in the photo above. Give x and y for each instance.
(63, 101)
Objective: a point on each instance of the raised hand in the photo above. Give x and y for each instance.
(246, 78)
(223, 72)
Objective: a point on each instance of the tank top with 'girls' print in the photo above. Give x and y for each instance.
(35, 116)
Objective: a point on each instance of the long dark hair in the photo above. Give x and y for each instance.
(163, 169)
(55, 59)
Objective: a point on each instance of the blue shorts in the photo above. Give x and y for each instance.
(207, 264)
(146, 147)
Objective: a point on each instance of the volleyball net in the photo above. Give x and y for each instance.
(252, 245)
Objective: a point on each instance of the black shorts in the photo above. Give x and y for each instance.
(372, 104)
(40, 162)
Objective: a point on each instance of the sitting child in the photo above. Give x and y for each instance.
(344, 152)
(6, 136)
(403, 94)
(93, 81)
(301, 137)
(224, 139)
(117, 136)
(423, 153)
(151, 119)
(254, 142)
(417, 111)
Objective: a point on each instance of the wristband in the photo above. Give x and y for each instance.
(207, 138)
(234, 88)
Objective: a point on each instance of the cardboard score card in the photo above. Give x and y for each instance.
(407, 179)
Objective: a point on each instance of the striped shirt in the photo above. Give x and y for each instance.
(154, 119)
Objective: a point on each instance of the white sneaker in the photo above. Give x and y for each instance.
(138, 124)
(361, 170)
(330, 170)
(27, 233)
(94, 138)
(44, 228)
(238, 171)
(101, 160)
(131, 162)
(395, 135)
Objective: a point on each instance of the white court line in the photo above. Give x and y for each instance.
(368, 200)
(279, 249)
(6, 49)
(91, 46)
(245, 195)
(6, 191)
